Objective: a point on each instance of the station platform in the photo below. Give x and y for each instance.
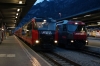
(94, 42)
(15, 53)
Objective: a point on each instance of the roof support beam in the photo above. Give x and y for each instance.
(11, 5)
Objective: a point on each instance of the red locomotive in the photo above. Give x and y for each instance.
(71, 34)
(39, 34)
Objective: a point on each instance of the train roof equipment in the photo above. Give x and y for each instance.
(70, 22)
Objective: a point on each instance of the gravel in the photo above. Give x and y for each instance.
(80, 58)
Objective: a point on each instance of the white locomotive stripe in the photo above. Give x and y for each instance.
(32, 59)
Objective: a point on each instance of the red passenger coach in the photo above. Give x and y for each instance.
(39, 34)
(72, 34)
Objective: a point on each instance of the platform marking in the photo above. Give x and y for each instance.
(2, 55)
(7, 55)
(10, 55)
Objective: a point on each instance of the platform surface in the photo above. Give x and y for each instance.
(14, 53)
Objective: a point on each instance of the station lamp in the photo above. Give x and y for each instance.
(20, 2)
(16, 13)
(18, 10)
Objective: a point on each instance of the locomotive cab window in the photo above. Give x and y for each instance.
(46, 25)
(78, 28)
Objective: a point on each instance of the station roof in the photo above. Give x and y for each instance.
(87, 11)
(12, 11)
(91, 17)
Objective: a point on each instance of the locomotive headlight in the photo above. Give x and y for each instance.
(86, 41)
(56, 41)
(37, 41)
(72, 41)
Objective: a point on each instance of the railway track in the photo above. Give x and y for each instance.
(58, 60)
(92, 53)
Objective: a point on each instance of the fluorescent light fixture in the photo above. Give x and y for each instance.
(98, 22)
(10, 27)
(74, 18)
(84, 16)
(87, 15)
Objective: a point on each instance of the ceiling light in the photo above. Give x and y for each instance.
(16, 17)
(16, 13)
(98, 22)
(87, 15)
(20, 2)
(18, 10)
(10, 27)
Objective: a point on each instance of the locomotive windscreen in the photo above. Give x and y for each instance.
(77, 28)
(46, 25)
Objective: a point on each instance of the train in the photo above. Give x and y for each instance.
(39, 33)
(71, 34)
